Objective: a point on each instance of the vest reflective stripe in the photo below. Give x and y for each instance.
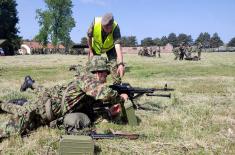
(97, 43)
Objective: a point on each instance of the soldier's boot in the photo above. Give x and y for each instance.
(28, 83)
(20, 101)
(0, 105)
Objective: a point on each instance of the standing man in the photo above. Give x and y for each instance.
(104, 37)
(199, 50)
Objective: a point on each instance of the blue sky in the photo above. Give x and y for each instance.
(142, 18)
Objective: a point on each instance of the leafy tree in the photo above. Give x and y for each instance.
(84, 40)
(164, 41)
(157, 41)
(190, 40)
(204, 39)
(147, 42)
(184, 38)
(132, 41)
(172, 39)
(129, 41)
(215, 41)
(8, 28)
(56, 22)
(231, 43)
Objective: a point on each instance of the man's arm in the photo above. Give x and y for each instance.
(120, 63)
(118, 48)
(99, 91)
(89, 43)
(89, 40)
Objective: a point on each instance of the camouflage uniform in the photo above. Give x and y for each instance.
(199, 48)
(188, 51)
(159, 52)
(55, 102)
(176, 52)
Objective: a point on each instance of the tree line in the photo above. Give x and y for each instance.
(56, 23)
(204, 38)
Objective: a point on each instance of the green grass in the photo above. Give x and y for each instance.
(198, 119)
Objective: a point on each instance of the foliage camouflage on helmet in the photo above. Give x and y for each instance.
(99, 63)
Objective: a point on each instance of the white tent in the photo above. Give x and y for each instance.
(24, 49)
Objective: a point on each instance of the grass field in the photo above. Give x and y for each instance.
(198, 119)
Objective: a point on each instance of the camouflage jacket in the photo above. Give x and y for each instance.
(82, 88)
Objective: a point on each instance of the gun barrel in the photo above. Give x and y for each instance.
(164, 89)
(160, 95)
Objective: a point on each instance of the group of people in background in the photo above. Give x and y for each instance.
(184, 51)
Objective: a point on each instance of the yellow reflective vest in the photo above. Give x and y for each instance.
(97, 43)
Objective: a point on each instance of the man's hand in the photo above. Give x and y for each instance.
(90, 55)
(115, 109)
(121, 70)
(124, 96)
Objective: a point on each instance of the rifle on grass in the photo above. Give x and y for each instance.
(112, 135)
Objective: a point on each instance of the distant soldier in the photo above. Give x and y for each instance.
(159, 52)
(150, 51)
(145, 51)
(176, 52)
(188, 51)
(154, 53)
(199, 50)
(140, 51)
(182, 51)
(78, 96)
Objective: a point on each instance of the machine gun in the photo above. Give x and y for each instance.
(103, 108)
(136, 92)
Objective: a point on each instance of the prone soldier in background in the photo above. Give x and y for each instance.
(78, 96)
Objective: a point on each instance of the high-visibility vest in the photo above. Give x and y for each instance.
(97, 44)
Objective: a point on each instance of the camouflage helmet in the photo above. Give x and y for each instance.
(99, 63)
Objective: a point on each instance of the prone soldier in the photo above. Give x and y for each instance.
(78, 96)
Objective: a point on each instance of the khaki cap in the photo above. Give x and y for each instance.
(107, 19)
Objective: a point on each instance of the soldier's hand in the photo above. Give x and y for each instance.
(124, 96)
(121, 70)
(115, 109)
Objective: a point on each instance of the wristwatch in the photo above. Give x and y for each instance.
(121, 63)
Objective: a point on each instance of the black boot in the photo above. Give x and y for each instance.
(20, 101)
(28, 83)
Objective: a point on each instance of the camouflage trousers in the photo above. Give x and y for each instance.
(25, 118)
(113, 71)
(176, 53)
(32, 114)
(199, 54)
